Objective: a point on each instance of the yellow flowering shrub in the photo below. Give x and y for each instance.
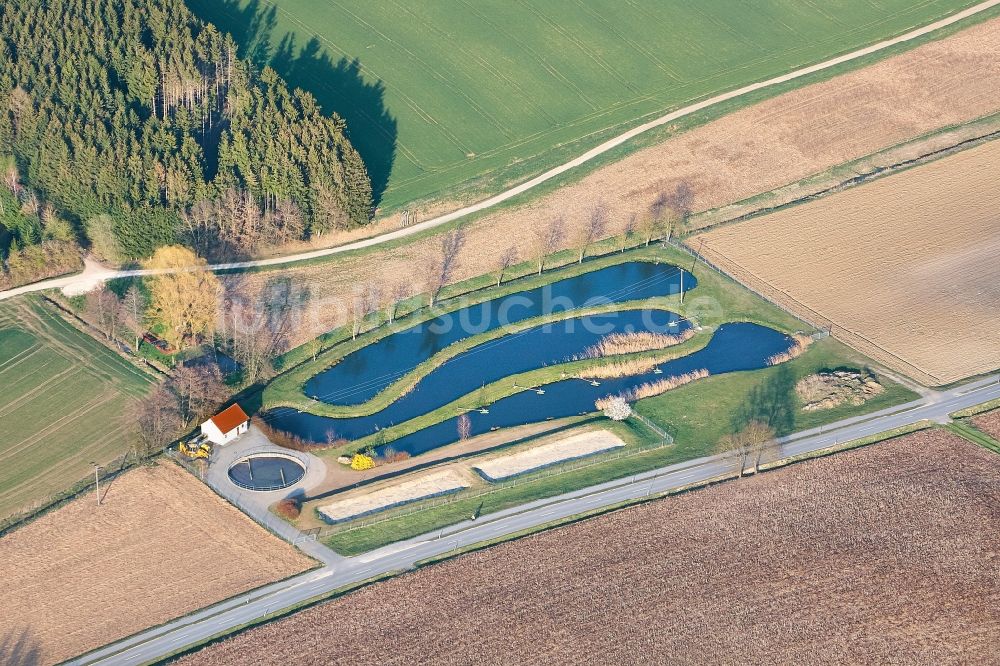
(360, 462)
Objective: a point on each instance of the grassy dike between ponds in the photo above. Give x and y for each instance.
(512, 384)
(715, 300)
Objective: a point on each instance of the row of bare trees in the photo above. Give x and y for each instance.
(748, 446)
(667, 215)
(236, 225)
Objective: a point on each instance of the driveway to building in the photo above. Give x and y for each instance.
(94, 273)
(237, 611)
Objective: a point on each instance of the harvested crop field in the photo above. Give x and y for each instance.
(988, 423)
(904, 267)
(752, 151)
(162, 544)
(883, 554)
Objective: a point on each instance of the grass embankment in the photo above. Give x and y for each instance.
(62, 396)
(974, 435)
(697, 415)
(715, 300)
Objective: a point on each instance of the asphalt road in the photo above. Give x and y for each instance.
(95, 273)
(340, 571)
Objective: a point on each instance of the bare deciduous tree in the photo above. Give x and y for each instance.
(259, 325)
(198, 389)
(105, 311)
(155, 422)
(441, 262)
(313, 347)
(547, 239)
(364, 303)
(464, 427)
(134, 314)
(397, 294)
(759, 438)
(594, 227)
(735, 447)
(628, 230)
(507, 258)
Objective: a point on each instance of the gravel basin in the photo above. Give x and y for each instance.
(424, 487)
(575, 446)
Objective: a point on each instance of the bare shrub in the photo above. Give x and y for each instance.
(288, 508)
(289, 441)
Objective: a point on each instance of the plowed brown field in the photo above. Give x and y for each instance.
(905, 267)
(754, 150)
(162, 544)
(887, 554)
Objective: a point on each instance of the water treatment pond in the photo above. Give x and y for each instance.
(359, 376)
(525, 350)
(734, 347)
(266, 472)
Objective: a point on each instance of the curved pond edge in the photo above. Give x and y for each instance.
(533, 357)
(736, 346)
(407, 382)
(287, 389)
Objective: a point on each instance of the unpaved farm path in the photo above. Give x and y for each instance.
(94, 273)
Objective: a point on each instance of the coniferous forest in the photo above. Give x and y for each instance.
(130, 124)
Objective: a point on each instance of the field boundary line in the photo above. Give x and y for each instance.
(781, 298)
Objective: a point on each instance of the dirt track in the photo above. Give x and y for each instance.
(161, 545)
(881, 555)
(751, 151)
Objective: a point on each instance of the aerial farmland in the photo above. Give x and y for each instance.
(522, 86)
(857, 553)
(482, 332)
(918, 288)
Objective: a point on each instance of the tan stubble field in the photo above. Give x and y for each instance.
(162, 544)
(910, 262)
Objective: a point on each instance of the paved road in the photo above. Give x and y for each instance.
(94, 273)
(160, 641)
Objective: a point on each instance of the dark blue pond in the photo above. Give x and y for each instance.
(518, 352)
(266, 472)
(734, 347)
(359, 376)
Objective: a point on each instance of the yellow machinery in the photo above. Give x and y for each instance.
(196, 448)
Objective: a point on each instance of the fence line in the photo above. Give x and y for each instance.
(528, 477)
(773, 294)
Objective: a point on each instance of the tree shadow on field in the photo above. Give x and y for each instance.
(771, 402)
(338, 85)
(19, 648)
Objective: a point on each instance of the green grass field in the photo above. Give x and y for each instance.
(439, 94)
(62, 400)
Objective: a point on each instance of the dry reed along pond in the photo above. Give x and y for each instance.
(883, 554)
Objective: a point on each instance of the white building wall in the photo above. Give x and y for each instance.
(216, 436)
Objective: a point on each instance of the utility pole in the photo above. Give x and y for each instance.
(97, 482)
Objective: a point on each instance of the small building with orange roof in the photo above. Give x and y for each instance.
(227, 425)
